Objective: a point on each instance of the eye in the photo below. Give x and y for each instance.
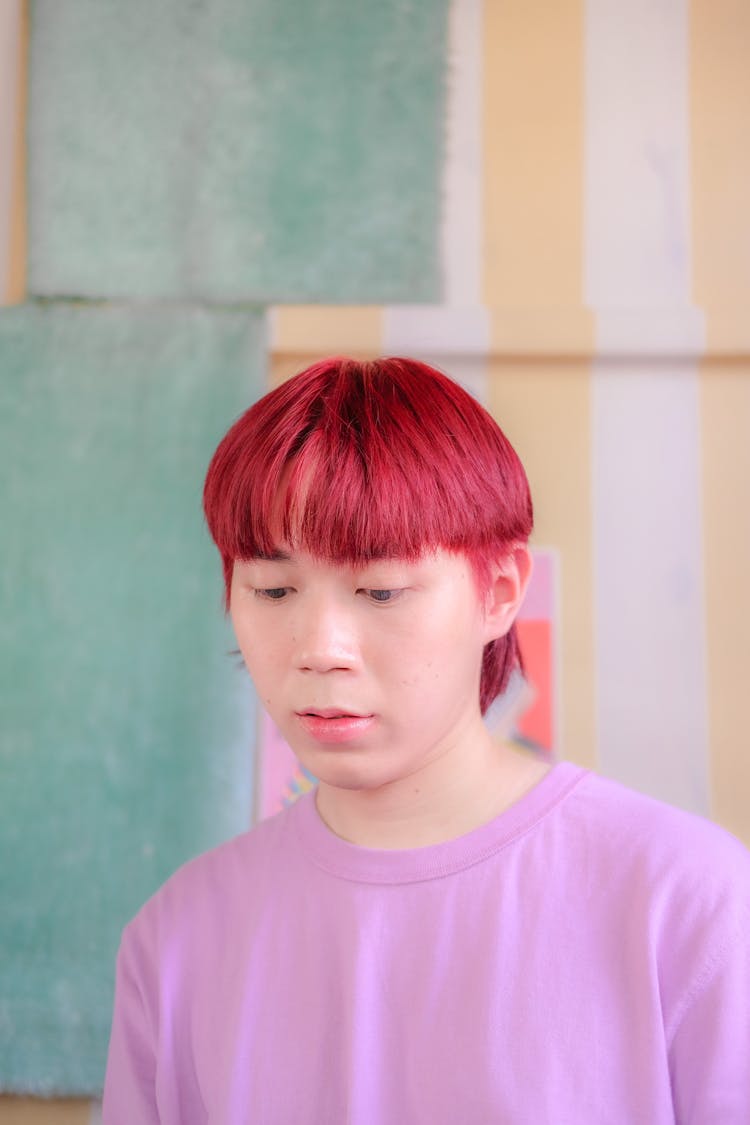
(272, 594)
(381, 596)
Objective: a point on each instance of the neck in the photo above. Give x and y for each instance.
(459, 791)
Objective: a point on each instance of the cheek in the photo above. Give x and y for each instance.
(253, 636)
(267, 662)
(263, 682)
(441, 644)
(246, 647)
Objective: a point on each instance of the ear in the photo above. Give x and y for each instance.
(509, 580)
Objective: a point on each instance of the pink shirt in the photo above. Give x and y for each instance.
(581, 960)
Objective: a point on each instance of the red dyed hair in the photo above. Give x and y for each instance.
(381, 458)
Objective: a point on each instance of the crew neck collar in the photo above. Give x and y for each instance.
(435, 861)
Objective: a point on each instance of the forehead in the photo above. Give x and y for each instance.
(433, 566)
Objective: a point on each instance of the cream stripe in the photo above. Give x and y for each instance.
(461, 234)
(651, 693)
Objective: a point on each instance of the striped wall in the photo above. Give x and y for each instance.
(13, 56)
(595, 249)
(591, 302)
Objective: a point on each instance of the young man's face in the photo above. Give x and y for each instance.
(370, 674)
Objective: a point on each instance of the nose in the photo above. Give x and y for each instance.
(325, 639)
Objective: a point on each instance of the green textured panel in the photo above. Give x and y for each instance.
(125, 728)
(270, 150)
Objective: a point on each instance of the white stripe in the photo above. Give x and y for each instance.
(650, 629)
(454, 339)
(272, 328)
(436, 329)
(649, 332)
(637, 153)
(461, 234)
(468, 370)
(96, 1114)
(652, 724)
(10, 31)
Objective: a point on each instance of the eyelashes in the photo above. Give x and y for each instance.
(375, 594)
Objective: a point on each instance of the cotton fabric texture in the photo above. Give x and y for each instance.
(583, 958)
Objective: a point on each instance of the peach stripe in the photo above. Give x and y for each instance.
(720, 97)
(13, 50)
(720, 172)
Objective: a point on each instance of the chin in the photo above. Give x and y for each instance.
(351, 776)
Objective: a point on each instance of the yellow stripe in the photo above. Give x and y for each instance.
(720, 101)
(543, 407)
(533, 194)
(306, 333)
(533, 160)
(725, 426)
(328, 329)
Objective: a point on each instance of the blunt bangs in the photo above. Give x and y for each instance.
(352, 461)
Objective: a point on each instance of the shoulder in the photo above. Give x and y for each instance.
(217, 889)
(618, 817)
(680, 870)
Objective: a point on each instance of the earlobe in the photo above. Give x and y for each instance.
(510, 580)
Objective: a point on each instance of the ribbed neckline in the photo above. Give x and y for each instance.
(414, 865)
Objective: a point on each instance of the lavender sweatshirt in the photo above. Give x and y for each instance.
(584, 959)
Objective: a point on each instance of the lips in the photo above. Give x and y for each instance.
(332, 713)
(330, 725)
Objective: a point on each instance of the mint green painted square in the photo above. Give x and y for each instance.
(264, 150)
(126, 727)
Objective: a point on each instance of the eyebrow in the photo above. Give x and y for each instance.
(276, 555)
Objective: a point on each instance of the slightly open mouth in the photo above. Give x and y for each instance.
(335, 726)
(333, 715)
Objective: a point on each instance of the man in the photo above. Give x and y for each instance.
(444, 931)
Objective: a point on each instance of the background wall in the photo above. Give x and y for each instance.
(562, 187)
